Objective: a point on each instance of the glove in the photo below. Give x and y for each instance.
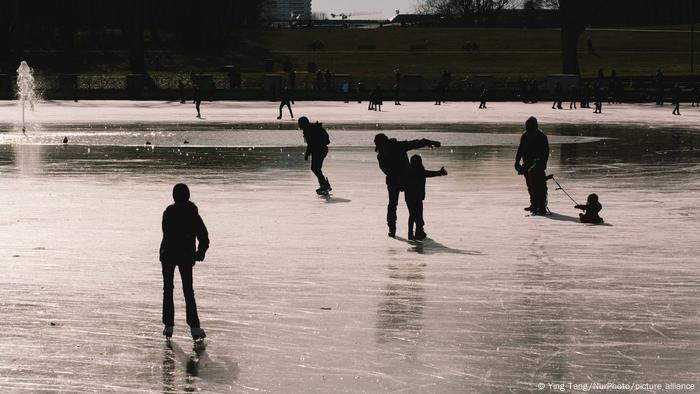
(199, 256)
(435, 144)
(519, 168)
(443, 171)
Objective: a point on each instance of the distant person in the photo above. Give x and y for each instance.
(345, 89)
(377, 98)
(360, 91)
(590, 210)
(181, 91)
(65, 140)
(397, 86)
(598, 99)
(182, 225)
(534, 91)
(533, 145)
(586, 96)
(574, 93)
(659, 82)
(696, 96)
(285, 98)
(392, 156)
(197, 99)
(415, 194)
(482, 97)
(440, 92)
(676, 100)
(558, 93)
(317, 142)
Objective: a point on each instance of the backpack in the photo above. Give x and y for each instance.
(322, 134)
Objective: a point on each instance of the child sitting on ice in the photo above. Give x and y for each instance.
(415, 194)
(590, 210)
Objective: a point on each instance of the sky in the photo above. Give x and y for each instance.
(384, 9)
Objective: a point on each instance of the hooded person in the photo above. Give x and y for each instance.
(317, 142)
(182, 226)
(590, 210)
(533, 145)
(392, 156)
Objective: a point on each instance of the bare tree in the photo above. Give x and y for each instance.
(463, 9)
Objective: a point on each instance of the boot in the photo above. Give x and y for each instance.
(197, 333)
(328, 186)
(168, 331)
(420, 234)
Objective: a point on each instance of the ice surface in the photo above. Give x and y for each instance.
(493, 302)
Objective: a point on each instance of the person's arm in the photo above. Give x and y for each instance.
(417, 144)
(581, 207)
(202, 237)
(432, 174)
(546, 151)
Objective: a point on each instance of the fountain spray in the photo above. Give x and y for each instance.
(26, 89)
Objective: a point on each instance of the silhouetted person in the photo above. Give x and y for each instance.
(575, 93)
(558, 93)
(360, 91)
(377, 98)
(676, 100)
(590, 210)
(696, 96)
(415, 194)
(482, 97)
(181, 91)
(285, 98)
(197, 99)
(65, 140)
(537, 180)
(182, 225)
(586, 96)
(533, 145)
(345, 89)
(440, 92)
(534, 92)
(598, 99)
(659, 82)
(317, 141)
(393, 160)
(397, 86)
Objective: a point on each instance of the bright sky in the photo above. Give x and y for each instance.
(384, 9)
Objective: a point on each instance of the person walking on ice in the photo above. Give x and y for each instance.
(415, 194)
(533, 145)
(317, 141)
(182, 225)
(392, 156)
(285, 100)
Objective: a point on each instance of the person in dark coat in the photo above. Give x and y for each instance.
(197, 99)
(317, 141)
(599, 94)
(558, 93)
(482, 96)
(392, 156)
(377, 98)
(590, 210)
(182, 225)
(533, 145)
(397, 86)
(285, 100)
(676, 100)
(415, 194)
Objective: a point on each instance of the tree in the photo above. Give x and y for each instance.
(575, 16)
(463, 9)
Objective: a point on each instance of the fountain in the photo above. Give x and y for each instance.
(26, 89)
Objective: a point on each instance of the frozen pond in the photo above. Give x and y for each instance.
(305, 294)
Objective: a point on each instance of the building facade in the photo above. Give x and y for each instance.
(285, 10)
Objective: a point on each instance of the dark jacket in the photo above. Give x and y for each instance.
(181, 226)
(316, 138)
(393, 158)
(415, 183)
(533, 145)
(590, 212)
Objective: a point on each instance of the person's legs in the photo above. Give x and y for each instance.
(281, 106)
(530, 192)
(418, 213)
(317, 165)
(394, 191)
(168, 307)
(188, 291)
(196, 105)
(290, 109)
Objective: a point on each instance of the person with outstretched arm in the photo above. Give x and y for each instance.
(392, 156)
(533, 145)
(182, 226)
(317, 142)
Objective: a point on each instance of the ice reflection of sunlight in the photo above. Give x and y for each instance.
(28, 159)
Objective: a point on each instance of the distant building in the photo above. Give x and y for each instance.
(285, 10)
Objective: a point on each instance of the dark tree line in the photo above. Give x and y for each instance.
(70, 25)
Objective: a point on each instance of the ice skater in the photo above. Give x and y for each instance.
(482, 97)
(197, 100)
(377, 98)
(415, 194)
(182, 225)
(558, 93)
(317, 141)
(590, 210)
(533, 145)
(285, 100)
(392, 156)
(397, 86)
(676, 100)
